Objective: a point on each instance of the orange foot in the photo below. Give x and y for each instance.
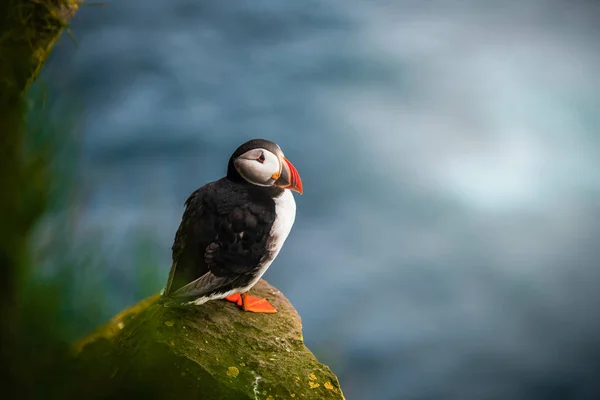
(252, 304)
(235, 298)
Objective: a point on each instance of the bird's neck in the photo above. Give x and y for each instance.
(232, 173)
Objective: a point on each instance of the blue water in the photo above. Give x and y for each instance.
(446, 245)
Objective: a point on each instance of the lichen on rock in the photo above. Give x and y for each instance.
(212, 351)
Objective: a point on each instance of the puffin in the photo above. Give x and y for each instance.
(232, 229)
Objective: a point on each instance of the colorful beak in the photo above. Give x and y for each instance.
(288, 177)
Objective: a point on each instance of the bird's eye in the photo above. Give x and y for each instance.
(261, 158)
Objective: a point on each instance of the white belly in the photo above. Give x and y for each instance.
(285, 214)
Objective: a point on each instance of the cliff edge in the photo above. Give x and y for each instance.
(212, 351)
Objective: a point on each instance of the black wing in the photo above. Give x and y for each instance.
(221, 240)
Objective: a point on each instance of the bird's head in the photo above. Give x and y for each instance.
(261, 162)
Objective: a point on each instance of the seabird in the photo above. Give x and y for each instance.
(232, 229)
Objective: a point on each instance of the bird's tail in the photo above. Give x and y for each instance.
(165, 299)
(167, 290)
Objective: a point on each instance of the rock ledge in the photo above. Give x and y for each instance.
(212, 351)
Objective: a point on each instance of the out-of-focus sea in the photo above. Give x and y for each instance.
(447, 243)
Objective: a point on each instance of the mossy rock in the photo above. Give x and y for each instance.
(212, 351)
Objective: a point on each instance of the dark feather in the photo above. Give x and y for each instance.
(222, 238)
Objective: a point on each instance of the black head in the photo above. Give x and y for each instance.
(261, 162)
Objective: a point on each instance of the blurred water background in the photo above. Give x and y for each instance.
(446, 245)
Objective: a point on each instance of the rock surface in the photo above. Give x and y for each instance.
(212, 351)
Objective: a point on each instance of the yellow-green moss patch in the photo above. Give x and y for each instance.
(217, 336)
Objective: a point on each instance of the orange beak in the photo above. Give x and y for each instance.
(288, 178)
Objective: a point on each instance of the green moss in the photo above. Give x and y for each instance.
(213, 348)
(28, 28)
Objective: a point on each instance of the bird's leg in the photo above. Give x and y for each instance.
(235, 298)
(257, 305)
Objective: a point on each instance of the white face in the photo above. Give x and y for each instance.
(258, 166)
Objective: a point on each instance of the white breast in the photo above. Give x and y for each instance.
(285, 214)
